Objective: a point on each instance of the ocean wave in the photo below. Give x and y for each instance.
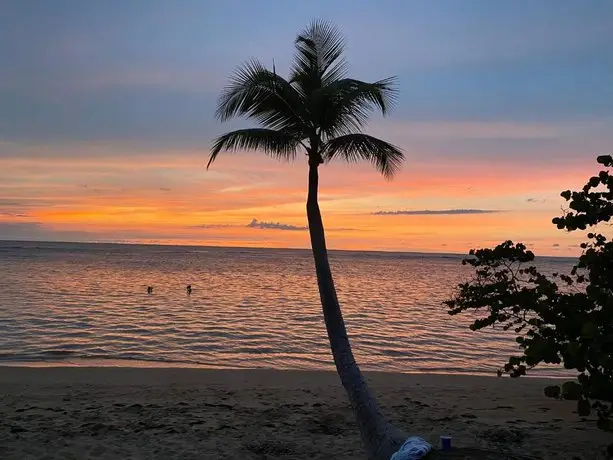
(61, 356)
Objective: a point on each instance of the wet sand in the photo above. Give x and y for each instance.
(127, 413)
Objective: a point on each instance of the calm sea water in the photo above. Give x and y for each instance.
(76, 304)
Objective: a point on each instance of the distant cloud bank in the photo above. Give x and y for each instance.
(212, 226)
(435, 212)
(274, 225)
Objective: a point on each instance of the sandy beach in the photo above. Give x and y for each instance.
(128, 413)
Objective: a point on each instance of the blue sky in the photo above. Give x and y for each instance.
(150, 71)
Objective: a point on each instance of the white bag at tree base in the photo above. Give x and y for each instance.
(414, 448)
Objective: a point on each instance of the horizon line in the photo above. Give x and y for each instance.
(132, 243)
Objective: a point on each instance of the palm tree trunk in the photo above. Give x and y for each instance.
(380, 438)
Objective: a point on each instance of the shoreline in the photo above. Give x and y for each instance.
(179, 413)
(111, 363)
(77, 368)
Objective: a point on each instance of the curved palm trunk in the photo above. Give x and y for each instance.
(380, 438)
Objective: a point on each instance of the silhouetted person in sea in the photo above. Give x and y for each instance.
(149, 290)
(189, 289)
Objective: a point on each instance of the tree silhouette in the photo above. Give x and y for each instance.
(321, 112)
(561, 319)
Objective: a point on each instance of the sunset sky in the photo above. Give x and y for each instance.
(107, 116)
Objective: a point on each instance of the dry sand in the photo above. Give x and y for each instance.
(122, 413)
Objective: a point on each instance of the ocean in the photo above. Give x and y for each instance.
(87, 304)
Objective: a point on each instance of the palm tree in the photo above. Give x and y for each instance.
(321, 111)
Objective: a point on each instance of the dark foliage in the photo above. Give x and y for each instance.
(318, 110)
(561, 319)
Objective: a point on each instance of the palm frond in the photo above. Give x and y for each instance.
(258, 93)
(319, 56)
(277, 144)
(343, 106)
(355, 147)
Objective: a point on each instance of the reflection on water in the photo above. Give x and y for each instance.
(249, 308)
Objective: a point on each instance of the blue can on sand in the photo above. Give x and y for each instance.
(446, 442)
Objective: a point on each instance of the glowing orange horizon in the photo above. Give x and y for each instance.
(99, 193)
